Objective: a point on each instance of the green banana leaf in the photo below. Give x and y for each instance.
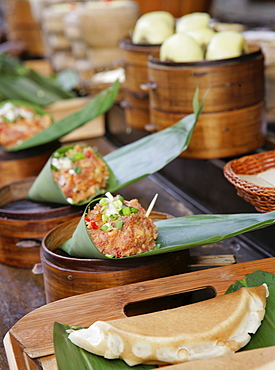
(176, 234)
(143, 157)
(132, 162)
(265, 335)
(20, 82)
(71, 357)
(97, 106)
(45, 189)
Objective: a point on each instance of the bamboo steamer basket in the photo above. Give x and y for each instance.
(66, 276)
(136, 102)
(136, 108)
(220, 134)
(234, 106)
(24, 163)
(24, 223)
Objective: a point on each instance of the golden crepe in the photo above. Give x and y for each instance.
(206, 329)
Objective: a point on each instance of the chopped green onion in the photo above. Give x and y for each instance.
(104, 218)
(113, 217)
(103, 202)
(54, 168)
(121, 199)
(117, 204)
(126, 211)
(119, 224)
(74, 157)
(58, 155)
(106, 227)
(77, 169)
(97, 171)
(134, 210)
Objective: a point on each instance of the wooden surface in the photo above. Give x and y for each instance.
(22, 291)
(32, 335)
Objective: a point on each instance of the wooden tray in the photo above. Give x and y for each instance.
(29, 344)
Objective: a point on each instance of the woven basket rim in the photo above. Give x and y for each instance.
(245, 185)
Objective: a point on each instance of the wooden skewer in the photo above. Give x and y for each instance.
(151, 205)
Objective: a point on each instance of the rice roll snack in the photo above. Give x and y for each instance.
(113, 227)
(120, 228)
(74, 174)
(20, 121)
(79, 172)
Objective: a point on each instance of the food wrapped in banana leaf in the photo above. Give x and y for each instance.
(119, 227)
(94, 108)
(20, 121)
(74, 174)
(126, 165)
(79, 172)
(106, 230)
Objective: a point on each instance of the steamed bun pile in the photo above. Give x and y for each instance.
(190, 39)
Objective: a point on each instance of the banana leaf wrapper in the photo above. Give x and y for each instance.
(265, 335)
(131, 162)
(45, 189)
(98, 105)
(176, 234)
(20, 82)
(71, 357)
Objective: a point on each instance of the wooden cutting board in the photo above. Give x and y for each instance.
(29, 344)
(66, 107)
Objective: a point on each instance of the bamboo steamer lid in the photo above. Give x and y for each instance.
(104, 23)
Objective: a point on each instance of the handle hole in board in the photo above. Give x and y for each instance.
(168, 302)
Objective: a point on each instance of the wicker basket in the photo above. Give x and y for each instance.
(262, 198)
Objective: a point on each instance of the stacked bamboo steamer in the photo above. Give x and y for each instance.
(233, 119)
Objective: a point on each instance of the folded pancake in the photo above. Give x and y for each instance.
(206, 329)
(20, 121)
